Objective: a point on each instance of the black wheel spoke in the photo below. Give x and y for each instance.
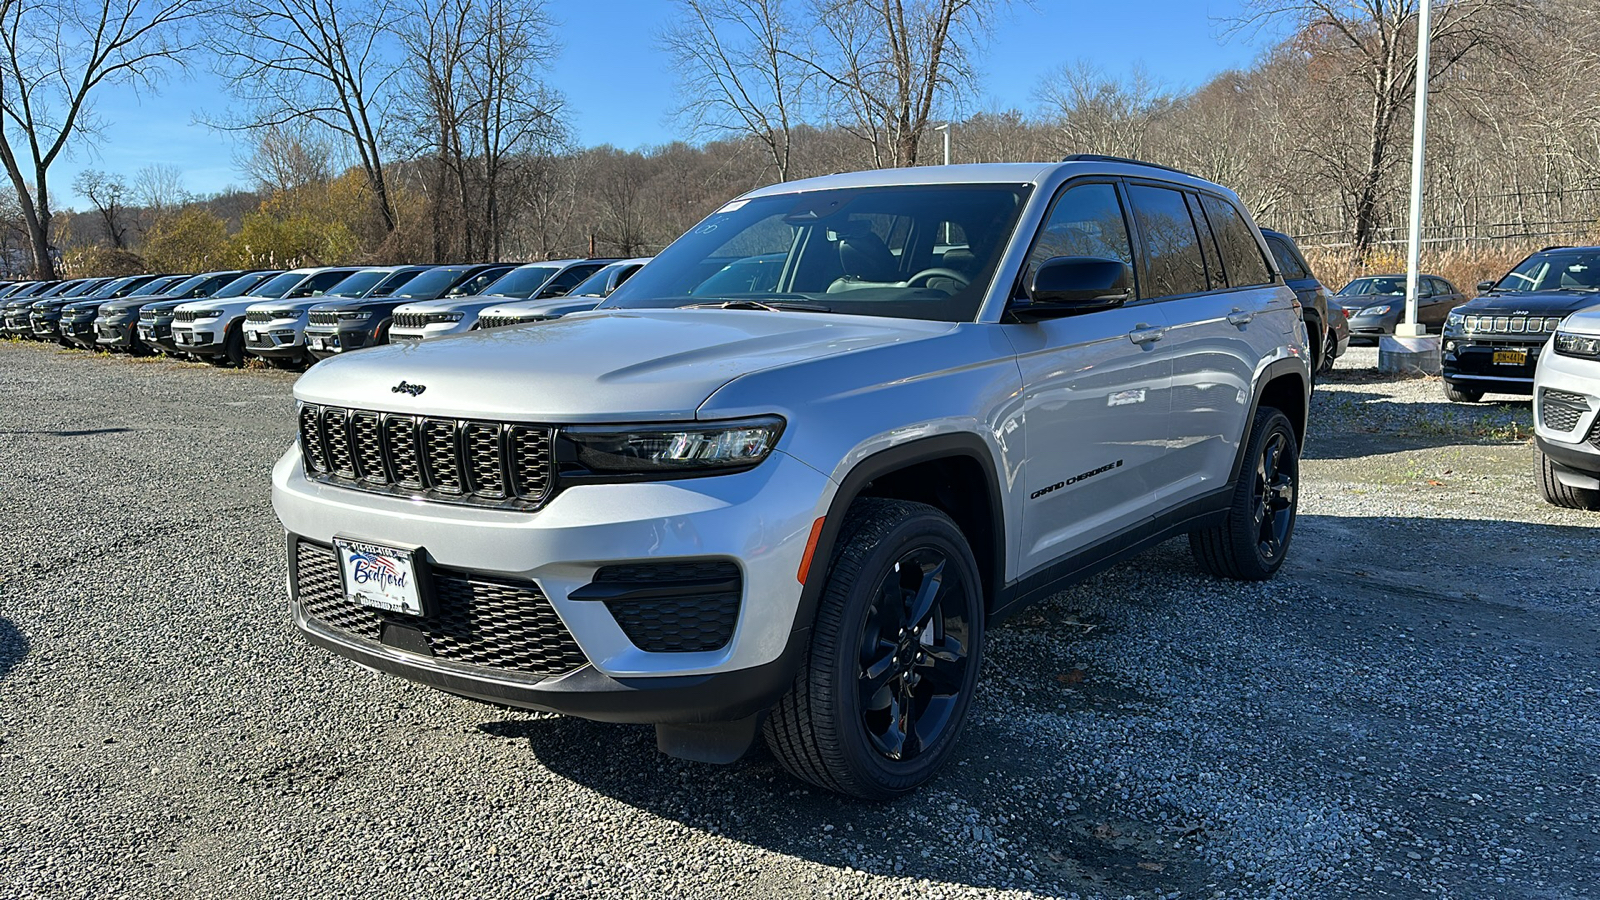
(927, 593)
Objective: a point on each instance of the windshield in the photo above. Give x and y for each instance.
(1567, 270)
(432, 283)
(919, 252)
(119, 287)
(522, 282)
(389, 285)
(241, 286)
(86, 288)
(276, 287)
(156, 286)
(359, 284)
(1373, 286)
(595, 285)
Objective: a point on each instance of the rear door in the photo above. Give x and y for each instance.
(1224, 322)
(1095, 392)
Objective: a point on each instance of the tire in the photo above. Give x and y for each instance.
(1252, 543)
(1557, 494)
(233, 345)
(829, 729)
(1461, 395)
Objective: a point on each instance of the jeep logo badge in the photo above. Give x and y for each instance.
(406, 388)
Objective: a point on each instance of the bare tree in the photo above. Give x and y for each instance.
(322, 61)
(108, 194)
(889, 64)
(738, 72)
(159, 188)
(1374, 44)
(57, 54)
(289, 157)
(1097, 113)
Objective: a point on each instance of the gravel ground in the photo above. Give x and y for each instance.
(1410, 709)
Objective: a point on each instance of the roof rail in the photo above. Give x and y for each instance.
(1102, 157)
(1555, 247)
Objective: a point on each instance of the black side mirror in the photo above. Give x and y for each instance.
(1072, 285)
(1485, 287)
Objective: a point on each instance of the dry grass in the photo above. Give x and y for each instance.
(1462, 267)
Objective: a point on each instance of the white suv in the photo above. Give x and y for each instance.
(213, 328)
(794, 505)
(1566, 413)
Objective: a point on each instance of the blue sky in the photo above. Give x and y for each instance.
(620, 89)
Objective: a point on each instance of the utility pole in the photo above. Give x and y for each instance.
(945, 128)
(1411, 327)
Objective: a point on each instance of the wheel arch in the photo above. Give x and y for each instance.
(1284, 386)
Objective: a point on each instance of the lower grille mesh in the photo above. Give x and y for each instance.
(479, 620)
(1560, 410)
(684, 622)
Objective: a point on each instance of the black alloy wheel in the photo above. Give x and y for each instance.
(913, 655)
(878, 703)
(1251, 543)
(1277, 477)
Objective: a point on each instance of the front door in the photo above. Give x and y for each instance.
(1096, 394)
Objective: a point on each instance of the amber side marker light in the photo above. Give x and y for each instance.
(811, 548)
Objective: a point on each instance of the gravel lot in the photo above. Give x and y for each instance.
(1410, 709)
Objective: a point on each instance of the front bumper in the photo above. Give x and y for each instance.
(1566, 417)
(116, 334)
(79, 331)
(46, 327)
(278, 339)
(325, 342)
(1370, 327)
(759, 519)
(19, 324)
(1470, 361)
(201, 340)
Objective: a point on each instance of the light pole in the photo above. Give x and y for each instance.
(945, 128)
(1411, 327)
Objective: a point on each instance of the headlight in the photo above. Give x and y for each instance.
(354, 316)
(1583, 345)
(208, 314)
(446, 317)
(1374, 310)
(284, 313)
(1455, 320)
(650, 449)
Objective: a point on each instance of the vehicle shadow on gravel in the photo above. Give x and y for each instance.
(13, 647)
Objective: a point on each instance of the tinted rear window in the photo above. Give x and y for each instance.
(1287, 264)
(1241, 255)
(1171, 246)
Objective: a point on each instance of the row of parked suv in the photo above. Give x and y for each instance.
(293, 317)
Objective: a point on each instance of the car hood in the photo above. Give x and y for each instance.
(558, 306)
(1540, 303)
(127, 304)
(1360, 309)
(1584, 321)
(452, 304)
(611, 365)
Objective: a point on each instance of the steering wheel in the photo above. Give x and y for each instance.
(925, 274)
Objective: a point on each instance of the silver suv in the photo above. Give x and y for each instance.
(793, 505)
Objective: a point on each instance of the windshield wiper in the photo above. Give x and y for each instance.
(775, 306)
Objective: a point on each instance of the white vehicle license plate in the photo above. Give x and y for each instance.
(315, 343)
(182, 337)
(380, 577)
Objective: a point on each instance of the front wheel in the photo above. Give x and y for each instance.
(881, 697)
(1557, 494)
(1251, 544)
(1460, 394)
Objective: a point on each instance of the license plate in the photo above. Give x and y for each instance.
(381, 577)
(314, 343)
(181, 337)
(1511, 357)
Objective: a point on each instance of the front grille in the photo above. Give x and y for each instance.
(683, 619)
(500, 321)
(410, 320)
(258, 317)
(324, 318)
(479, 620)
(1561, 410)
(184, 315)
(438, 459)
(147, 315)
(1510, 324)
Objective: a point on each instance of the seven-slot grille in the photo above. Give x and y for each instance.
(438, 459)
(1561, 410)
(1510, 324)
(183, 315)
(480, 620)
(410, 319)
(501, 321)
(323, 318)
(258, 316)
(147, 315)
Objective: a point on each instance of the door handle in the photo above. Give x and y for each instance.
(1240, 317)
(1145, 334)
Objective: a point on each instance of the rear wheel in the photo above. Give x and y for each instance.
(233, 345)
(1558, 494)
(1457, 394)
(881, 697)
(1251, 544)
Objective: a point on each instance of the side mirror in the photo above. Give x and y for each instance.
(1071, 285)
(1485, 287)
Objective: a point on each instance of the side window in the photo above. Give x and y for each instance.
(566, 281)
(1241, 255)
(1085, 221)
(1287, 263)
(1171, 246)
(316, 284)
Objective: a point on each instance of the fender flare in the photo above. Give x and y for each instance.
(1274, 370)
